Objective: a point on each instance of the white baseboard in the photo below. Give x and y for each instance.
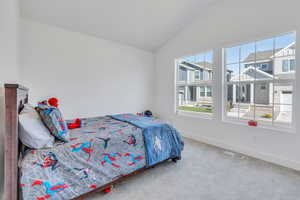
(249, 152)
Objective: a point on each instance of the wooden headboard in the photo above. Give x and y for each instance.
(15, 98)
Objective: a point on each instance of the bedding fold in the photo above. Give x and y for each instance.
(162, 141)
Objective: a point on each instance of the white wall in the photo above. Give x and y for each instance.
(228, 23)
(90, 76)
(9, 19)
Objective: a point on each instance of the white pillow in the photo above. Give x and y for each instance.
(32, 132)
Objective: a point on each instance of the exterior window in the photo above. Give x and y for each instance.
(201, 75)
(285, 66)
(195, 94)
(255, 87)
(182, 74)
(210, 74)
(264, 66)
(208, 91)
(197, 75)
(202, 91)
(288, 65)
(292, 65)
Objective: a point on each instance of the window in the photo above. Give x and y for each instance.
(208, 91)
(202, 91)
(285, 65)
(255, 87)
(201, 74)
(288, 65)
(264, 66)
(182, 74)
(194, 95)
(292, 65)
(197, 75)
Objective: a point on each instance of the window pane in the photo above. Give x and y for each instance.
(248, 53)
(260, 84)
(285, 65)
(264, 113)
(232, 110)
(181, 95)
(246, 111)
(209, 91)
(283, 115)
(283, 93)
(262, 92)
(292, 65)
(197, 75)
(182, 73)
(209, 58)
(195, 93)
(232, 72)
(248, 72)
(285, 41)
(201, 74)
(264, 50)
(192, 100)
(202, 91)
(232, 55)
(245, 93)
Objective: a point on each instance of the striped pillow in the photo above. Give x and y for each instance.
(54, 121)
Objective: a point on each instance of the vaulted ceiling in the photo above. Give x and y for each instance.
(145, 24)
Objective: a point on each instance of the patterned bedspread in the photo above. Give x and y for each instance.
(162, 141)
(101, 151)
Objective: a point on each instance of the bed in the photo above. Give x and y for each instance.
(104, 151)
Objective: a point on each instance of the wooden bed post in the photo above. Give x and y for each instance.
(15, 97)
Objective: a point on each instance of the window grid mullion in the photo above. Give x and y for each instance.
(239, 88)
(273, 83)
(254, 84)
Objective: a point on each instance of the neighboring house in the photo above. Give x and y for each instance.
(265, 68)
(198, 76)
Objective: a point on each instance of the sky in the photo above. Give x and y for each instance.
(232, 56)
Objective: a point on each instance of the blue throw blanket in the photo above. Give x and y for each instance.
(162, 141)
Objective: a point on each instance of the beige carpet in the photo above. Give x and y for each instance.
(206, 173)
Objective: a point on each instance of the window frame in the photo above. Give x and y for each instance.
(202, 92)
(289, 65)
(286, 65)
(197, 75)
(202, 115)
(208, 92)
(225, 83)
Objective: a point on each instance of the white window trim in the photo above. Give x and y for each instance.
(261, 125)
(219, 98)
(289, 71)
(201, 115)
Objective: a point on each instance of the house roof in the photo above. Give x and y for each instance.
(262, 55)
(291, 46)
(206, 65)
(197, 66)
(251, 74)
(266, 55)
(200, 65)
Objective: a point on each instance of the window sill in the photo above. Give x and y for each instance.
(195, 114)
(260, 125)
